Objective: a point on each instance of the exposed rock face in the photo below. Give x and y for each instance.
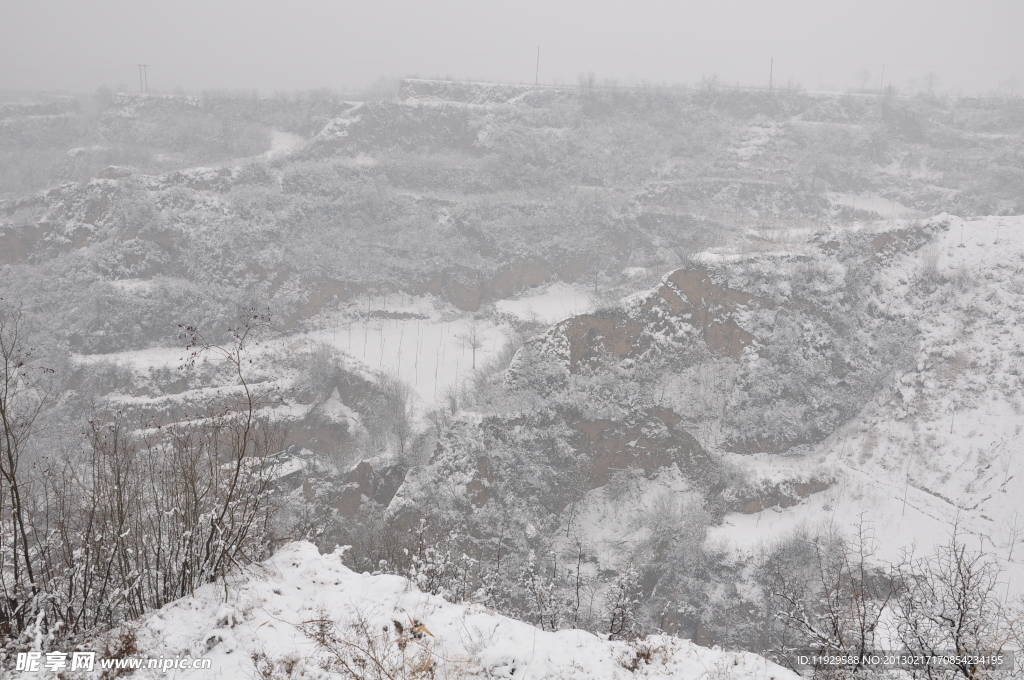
(517, 276)
(363, 484)
(782, 495)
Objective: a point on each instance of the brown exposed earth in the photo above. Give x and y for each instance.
(363, 484)
(648, 444)
(691, 293)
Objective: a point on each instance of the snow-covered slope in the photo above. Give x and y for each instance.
(267, 623)
(942, 444)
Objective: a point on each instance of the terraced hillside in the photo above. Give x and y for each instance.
(466, 192)
(585, 356)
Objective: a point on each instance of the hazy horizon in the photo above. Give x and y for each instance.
(306, 45)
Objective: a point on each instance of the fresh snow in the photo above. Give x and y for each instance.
(422, 342)
(427, 353)
(559, 301)
(419, 339)
(282, 144)
(262, 613)
(942, 446)
(872, 202)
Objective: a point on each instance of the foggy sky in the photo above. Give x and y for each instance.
(972, 46)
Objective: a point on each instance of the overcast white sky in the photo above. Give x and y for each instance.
(972, 45)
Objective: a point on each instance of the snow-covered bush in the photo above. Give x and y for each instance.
(139, 516)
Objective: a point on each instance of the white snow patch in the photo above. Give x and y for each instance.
(283, 143)
(264, 612)
(872, 202)
(557, 302)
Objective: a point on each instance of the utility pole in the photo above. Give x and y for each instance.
(145, 75)
(771, 75)
(882, 79)
(536, 74)
(140, 78)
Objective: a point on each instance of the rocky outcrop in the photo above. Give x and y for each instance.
(364, 484)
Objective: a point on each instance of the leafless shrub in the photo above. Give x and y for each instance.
(440, 420)
(948, 605)
(709, 84)
(146, 513)
(827, 595)
(930, 263)
(320, 368)
(963, 279)
(284, 668)
(393, 410)
(622, 604)
(456, 397)
(362, 650)
(120, 644)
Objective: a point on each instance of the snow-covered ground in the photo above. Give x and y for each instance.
(943, 445)
(427, 345)
(420, 339)
(283, 143)
(559, 301)
(609, 520)
(430, 354)
(268, 615)
(751, 141)
(872, 202)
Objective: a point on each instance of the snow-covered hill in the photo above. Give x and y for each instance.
(265, 625)
(941, 444)
(859, 375)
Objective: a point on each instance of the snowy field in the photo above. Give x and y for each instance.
(872, 202)
(430, 354)
(559, 301)
(427, 344)
(420, 339)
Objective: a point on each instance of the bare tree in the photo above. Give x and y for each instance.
(472, 338)
(396, 401)
(1013, 529)
(836, 605)
(244, 438)
(949, 606)
(24, 388)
